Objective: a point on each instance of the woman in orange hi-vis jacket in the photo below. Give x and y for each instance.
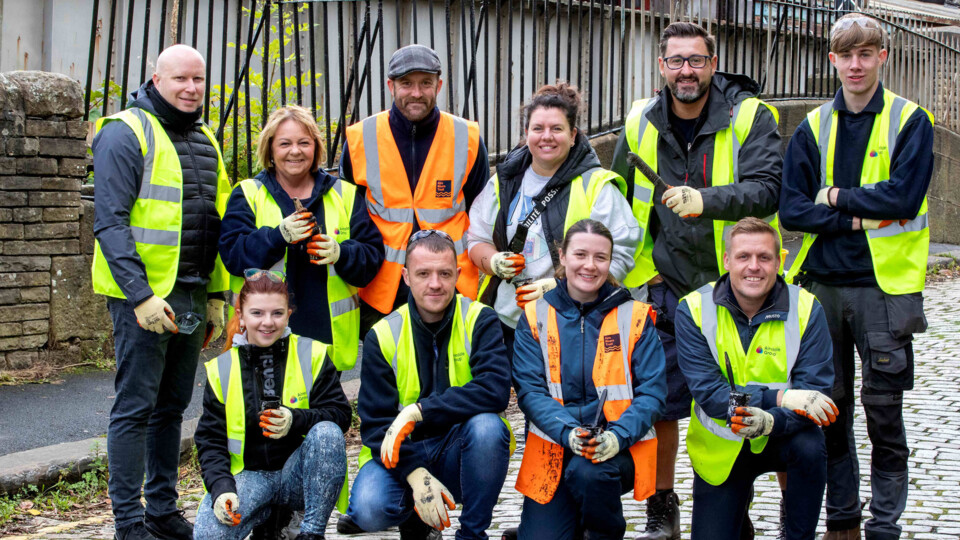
(586, 339)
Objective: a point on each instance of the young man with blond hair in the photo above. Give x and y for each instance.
(862, 206)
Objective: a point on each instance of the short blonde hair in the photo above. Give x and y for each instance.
(860, 30)
(300, 115)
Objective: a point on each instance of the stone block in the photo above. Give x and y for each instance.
(55, 198)
(24, 264)
(6, 214)
(8, 165)
(21, 146)
(42, 247)
(72, 167)
(63, 147)
(47, 94)
(76, 311)
(62, 354)
(43, 231)
(19, 183)
(63, 213)
(34, 341)
(36, 327)
(27, 214)
(12, 198)
(10, 329)
(21, 359)
(11, 231)
(34, 294)
(10, 344)
(39, 166)
(9, 296)
(45, 128)
(77, 129)
(60, 184)
(87, 241)
(11, 123)
(24, 312)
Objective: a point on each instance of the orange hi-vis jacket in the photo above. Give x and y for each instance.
(542, 464)
(437, 203)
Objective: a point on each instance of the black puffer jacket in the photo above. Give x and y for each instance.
(684, 251)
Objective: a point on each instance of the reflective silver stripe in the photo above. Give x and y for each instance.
(278, 266)
(461, 244)
(395, 323)
(539, 433)
(234, 446)
(823, 139)
(791, 330)
(371, 153)
(642, 194)
(708, 319)
(464, 308)
(338, 187)
(896, 109)
(331, 271)
(440, 215)
(396, 215)
(543, 312)
(224, 363)
(643, 121)
(650, 434)
(624, 320)
(159, 193)
(736, 142)
(147, 189)
(772, 386)
(342, 307)
(587, 176)
(398, 256)
(916, 224)
(305, 357)
(461, 149)
(617, 391)
(155, 236)
(713, 427)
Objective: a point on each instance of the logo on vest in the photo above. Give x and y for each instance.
(769, 351)
(299, 397)
(611, 343)
(459, 356)
(444, 189)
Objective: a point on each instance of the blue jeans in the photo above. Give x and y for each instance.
(718, 511)
(470, 460)
(153, 386)
(310, 480)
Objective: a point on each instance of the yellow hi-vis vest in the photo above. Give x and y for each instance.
(712, 446)
(304, 360)
(395, 334)
(156, 218)
(584, 191)
(642, 138)
(899, 252)
(342, 297)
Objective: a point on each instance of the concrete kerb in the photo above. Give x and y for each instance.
(45, 466)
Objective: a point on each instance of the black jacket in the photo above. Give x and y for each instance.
(118, 166)
(243, 245)
(443, 406)
(684, 251)
(327, 402)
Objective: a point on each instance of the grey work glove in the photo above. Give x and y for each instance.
(225, 509)
(296, 227)
(812, 404)
(431, 499)
(507, 264)
(751, 422)
(607, 445)
(577, 439)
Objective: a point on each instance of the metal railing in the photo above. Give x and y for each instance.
(331, 56)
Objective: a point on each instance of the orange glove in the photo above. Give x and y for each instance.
(507, 264)
(398, 431)
(811, 404)
(223, 509)
(536, 289)
(751, 422)
(276, 423)
(431, 499)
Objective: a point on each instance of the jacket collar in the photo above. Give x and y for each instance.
(776, 307)
(424, 128)
(875, 106)
(147, 96)
(608, 298)
(322, 182)
(420, 326)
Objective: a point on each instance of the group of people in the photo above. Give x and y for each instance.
(615, 302)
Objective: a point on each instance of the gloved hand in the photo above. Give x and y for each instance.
(276, 423)
(225, 509)
(606, 445)
(155, 315)
(812, 404)
(751, 422)
(297, 226)
(214, 320)
(577, 439)
(430, 498)
(401, 427)
(507, 264)
(531, 291)
(683, 200)
(325, 248)
(823, 196)
(867, 224)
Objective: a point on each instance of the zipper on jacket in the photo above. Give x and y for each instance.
(413, 147)
(193, 159)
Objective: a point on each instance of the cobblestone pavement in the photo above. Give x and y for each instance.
(933, 428)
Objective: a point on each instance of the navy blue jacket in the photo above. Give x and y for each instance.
(443, 406)
(813, 370)
(840, 256)
(579, 328)
(243, 245)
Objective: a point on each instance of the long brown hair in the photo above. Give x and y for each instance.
(586, 226)
(261, 285)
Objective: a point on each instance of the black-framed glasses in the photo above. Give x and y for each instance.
(255, 274)
(862, 22)
(696, 61)
(424, 233)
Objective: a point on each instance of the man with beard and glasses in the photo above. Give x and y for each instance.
(420, 168)
(717, 147)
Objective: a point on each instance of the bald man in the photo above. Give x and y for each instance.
(161, 188)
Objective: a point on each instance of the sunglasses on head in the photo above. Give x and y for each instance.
(862, 22)
(424, 233)
(256, 274)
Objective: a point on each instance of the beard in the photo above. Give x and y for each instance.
(690, 97)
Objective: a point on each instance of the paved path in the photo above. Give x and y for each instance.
(931, 414)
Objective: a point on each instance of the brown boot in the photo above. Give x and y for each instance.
(849, 534)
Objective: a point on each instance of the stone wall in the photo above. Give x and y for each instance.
(43, 160)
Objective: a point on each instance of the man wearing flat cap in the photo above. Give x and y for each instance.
(421, 169)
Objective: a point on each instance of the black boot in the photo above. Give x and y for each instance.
(346, 525)
(273, 526)
(172, 526)
(415, 529)
(663, 517)
(510, 533)
(134, 532)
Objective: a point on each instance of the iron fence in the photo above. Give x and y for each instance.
(331, 56)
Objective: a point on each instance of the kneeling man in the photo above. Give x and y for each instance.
(751, 333)
(440, 361)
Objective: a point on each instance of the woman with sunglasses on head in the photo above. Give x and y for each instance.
(589, 437)
(274, 414)
(327, 251)
(550, 181)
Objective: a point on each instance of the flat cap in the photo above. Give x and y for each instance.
(413, 58)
